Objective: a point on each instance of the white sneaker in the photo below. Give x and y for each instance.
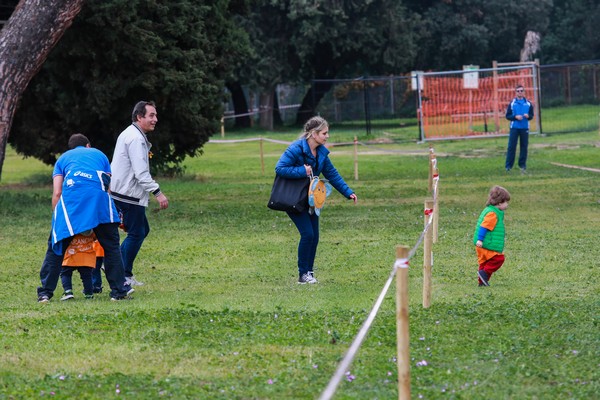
(131, 281)
(308, 277)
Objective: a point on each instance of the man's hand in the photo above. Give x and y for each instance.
(163, 201)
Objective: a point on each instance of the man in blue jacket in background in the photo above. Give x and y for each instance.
(519, 112)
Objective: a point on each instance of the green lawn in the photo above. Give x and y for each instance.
(221, 317)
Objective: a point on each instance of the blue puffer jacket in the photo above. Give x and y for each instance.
(519, 107)
(291, 165)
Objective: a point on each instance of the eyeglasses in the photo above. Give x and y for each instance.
(520, 90)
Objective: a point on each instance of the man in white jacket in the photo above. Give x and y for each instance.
(132, 183)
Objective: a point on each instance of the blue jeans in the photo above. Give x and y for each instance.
(308, 226)
(514, 136)
(108, 236)
(137, 228)
(85, 273)
(97, 275)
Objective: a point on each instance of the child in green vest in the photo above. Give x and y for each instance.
(489, 234)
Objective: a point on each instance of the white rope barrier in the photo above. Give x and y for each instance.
(360, 337)
(221, 141)
(358, 340)
(328, 145)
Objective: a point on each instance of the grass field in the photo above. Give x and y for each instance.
(221, 317)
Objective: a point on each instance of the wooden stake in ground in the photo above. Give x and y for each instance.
(431, 162)
(262, 157)
(427, 254)
(402, 322)
(436, 201)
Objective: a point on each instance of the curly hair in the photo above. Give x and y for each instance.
(497, 196)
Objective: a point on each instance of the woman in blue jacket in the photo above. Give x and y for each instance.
(305, 157)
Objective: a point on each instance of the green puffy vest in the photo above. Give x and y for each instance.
(494, 240)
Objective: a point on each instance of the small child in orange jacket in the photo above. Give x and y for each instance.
(80, 256)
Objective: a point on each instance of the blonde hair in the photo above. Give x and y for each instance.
(497, 196)
(315, 124)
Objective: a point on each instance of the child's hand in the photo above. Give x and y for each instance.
(479, 243)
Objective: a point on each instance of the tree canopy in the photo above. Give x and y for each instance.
(461, 32)
(182, 53)
(118, 52)
(298, 41)
(572, 35)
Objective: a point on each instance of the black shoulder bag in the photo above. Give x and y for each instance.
(289, 194)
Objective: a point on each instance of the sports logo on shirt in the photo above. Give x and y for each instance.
(83, 174)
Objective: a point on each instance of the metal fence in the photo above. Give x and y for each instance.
(570, 97)
(569, 101)
(459, 104)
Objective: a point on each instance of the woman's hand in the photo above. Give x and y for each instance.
(354, 198)
(308, 169)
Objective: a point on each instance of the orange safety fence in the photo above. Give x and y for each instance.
(448, 110)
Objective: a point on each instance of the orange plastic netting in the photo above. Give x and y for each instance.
(450, 111)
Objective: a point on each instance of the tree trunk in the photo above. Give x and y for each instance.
(30, 34)
(266, 110)
(240, 105)
(277, 121)
(311, 99)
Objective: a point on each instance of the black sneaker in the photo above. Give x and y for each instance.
(97, 290)
(119, 298)
(484, 277)
(67, 295)
(43, 299)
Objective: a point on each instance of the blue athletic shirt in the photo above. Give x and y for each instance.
(85, 202)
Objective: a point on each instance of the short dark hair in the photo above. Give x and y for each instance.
(140, 109)
(78, 139)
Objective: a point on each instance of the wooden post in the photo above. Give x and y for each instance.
(496, 101)
(436, 202)
(355, 158)
(222, 127)
(402, 322)
(427, 255)
(431, 158)
(262, 157)
(537, 96)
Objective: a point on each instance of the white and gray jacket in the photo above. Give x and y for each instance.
(131, 180)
